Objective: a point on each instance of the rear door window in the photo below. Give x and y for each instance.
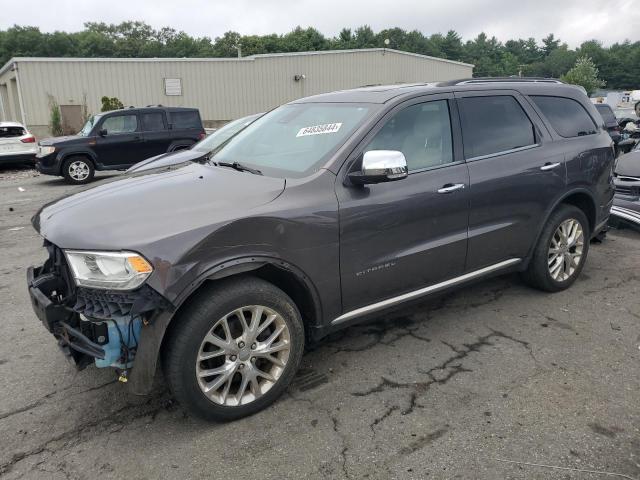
(187, 119)
(566, 116)
(153, 121)
(494, 124)
(120, 124)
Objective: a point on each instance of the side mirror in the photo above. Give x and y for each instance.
(380, 166)
(102, 132)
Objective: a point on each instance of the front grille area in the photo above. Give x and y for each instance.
(625, 190)
(107, 304)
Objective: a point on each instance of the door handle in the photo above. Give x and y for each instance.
(549, 166)
(451, 187)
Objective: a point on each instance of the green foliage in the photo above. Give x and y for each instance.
(110, 103)
(584, 73)
(55, 118)
(619, 64)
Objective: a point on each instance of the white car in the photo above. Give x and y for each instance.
(16, 143)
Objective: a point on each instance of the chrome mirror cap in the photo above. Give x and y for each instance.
(381, 166)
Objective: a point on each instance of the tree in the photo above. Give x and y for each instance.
(110, 103)
(618, 65)
(585, 74)
(550, 44)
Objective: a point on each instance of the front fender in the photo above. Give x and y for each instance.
(152, 336)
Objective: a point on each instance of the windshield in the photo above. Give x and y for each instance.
(294, 140)
(223, 134)
(86, 130)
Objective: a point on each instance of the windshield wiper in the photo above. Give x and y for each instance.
(238, 166)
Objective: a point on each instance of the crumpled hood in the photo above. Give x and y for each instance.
(629, 164)
(166, 159)
(137, 210)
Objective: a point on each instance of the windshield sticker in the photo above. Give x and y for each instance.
(319, 129)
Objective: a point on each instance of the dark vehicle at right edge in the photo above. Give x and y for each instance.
(322, 213)
(626, 203)
(610, 121)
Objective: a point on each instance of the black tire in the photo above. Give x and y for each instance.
(537, 274)
(77, 160)
(184, 340)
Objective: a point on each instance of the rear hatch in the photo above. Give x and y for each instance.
(16, 140)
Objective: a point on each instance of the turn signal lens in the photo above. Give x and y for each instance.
(139, 264)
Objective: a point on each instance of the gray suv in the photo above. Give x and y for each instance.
(322, 213)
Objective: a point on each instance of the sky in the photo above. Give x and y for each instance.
(573, 21)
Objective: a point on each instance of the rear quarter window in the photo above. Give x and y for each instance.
(566, 116)
(188, 119)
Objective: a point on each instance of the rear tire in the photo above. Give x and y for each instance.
(78, 170)
(559, 256)
(221, 367)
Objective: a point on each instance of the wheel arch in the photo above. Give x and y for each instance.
(178, 145)
(65, 155)
(579, 197)
(284, 275)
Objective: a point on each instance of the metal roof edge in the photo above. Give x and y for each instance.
(15, 60)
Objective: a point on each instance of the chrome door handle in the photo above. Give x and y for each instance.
(451, 188)
(549, 166)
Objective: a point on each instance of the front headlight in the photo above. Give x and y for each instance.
(108, 270)
(44, 151)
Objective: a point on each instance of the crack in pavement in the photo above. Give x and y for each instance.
(438, 375)
(42, 400)
(335, 423)
(127, 413)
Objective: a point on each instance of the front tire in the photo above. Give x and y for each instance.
(561, 252)
(78, 170)
(234, 349)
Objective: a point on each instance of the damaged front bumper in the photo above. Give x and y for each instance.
(91, 326)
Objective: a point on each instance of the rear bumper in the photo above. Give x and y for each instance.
(17, 157)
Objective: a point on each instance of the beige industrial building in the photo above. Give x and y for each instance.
(222, 88)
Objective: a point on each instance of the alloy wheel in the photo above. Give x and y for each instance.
(78, 170)
(565, 250)
(243, 355)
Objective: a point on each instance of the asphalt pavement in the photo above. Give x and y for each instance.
(494, 381)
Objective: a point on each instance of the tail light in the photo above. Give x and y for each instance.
(29, 139)
(202, 135)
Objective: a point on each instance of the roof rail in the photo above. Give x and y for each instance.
(157, 105)
(470, 81)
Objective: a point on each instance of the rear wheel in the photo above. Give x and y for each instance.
(561, 251)
(234, 350)
(78, 170)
